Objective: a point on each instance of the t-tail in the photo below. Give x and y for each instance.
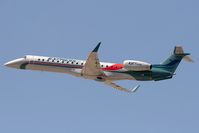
(171, 63)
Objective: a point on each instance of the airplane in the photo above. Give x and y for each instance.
(105, 72)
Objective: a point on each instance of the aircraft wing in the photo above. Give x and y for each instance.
(121, 88)
(92, 65)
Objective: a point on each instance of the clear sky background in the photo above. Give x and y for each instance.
(148, 30)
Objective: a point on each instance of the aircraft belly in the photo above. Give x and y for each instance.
(118, 76)
(71, 71)
(141, 75)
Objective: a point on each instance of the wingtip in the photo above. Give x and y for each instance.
(97, 47)
(135, 88)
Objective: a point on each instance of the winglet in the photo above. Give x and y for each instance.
(97, 47)
(135, 88)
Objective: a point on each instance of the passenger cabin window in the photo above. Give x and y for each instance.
(106, 65)
(82, 64)
(42, 59)
(38, 59)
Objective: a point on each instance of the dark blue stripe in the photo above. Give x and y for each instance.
(55, 64)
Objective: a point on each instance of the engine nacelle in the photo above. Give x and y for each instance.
(137, 65)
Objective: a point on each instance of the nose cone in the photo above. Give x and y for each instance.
(7, 64)
(10, 64)
(15, 63)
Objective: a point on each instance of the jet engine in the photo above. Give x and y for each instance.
(137, 65)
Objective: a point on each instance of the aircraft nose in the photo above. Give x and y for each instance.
(14, 63)
(10, 63)
(7, 64)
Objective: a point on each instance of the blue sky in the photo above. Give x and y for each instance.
(41, 102)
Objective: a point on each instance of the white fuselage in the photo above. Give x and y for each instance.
(69, 66)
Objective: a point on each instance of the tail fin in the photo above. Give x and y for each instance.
(173, 61)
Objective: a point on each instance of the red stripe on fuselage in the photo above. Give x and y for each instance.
(113, 67)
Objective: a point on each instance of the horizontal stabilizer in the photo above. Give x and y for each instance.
(178, 50)
(188, 58)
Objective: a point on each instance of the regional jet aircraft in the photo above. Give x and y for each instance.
(104, 72)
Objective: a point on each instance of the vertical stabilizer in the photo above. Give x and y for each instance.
(173, 61)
